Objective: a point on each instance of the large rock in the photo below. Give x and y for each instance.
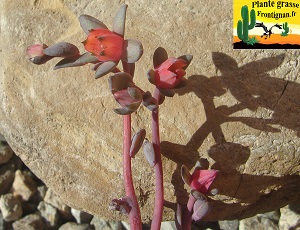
(240, 110)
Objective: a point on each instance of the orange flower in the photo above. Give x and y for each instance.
(104, 44)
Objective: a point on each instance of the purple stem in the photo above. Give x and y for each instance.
(134, 214)
(187, 215)
(158, 171)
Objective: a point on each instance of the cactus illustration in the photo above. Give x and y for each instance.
(243, 27)
(286, 29)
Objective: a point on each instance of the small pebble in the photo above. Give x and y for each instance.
(10, 207)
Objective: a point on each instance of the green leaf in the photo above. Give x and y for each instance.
(123, 111)
(149, 102)
(149, 152)
(151, 76)
(87, 58)
(119, 21)
(137, 142)
(160, 55)
(185, 175)
(134, 106)
(198, 195)
(132, 50)
(88, 23)
(62, 49)
(201, 209)
(105, 68)
(188, 58)
(119, 81)
(68, 62)
(135, 93)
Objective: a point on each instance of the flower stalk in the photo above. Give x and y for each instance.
(134, 214)
(187, 214)
(158, 171)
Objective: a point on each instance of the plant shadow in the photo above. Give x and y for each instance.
(253, 87)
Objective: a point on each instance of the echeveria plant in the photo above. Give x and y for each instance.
(105, 49)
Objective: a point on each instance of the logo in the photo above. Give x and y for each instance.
(266, 24)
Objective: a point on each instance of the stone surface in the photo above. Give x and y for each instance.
(10, 207)
(168, 225)
(49, 213)
(53, 199)
(80, 216)
(100, 224)
(60, 122)
(289, 219)
(257, 222)
(39, 194)
(5, 153)
(2, 223)
(229, 224)
(75, 226)
(7, 175)
(23, 186)
(29, 222)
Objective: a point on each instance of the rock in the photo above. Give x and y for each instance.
(49, 213)
(81, 217)
(29, 208)
(29, 222)
(42, 190)
(53, 199)
(289, 219)
(17, 162)
(10, 207)
(205, 225)
(273, 216)
(2, 223)
(7, 175)
(75, 226)
(257, 223)
(229, 224)
(115, 225)
(125, 225)
(247, 100)
(39, 194)
(100, 224)
(2, 138)
(23, 186)
(5, 153)
(168, 225)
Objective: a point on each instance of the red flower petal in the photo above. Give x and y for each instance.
(202, 179)
(169, 73)
(123, 98)
(167, 64)
(178, 64)
(104, 44)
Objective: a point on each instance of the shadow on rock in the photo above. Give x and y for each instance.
(253, 87)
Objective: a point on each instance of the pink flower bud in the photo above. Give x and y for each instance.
(202, 179)
(36, 54)
(170, 73)
(104, 44)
